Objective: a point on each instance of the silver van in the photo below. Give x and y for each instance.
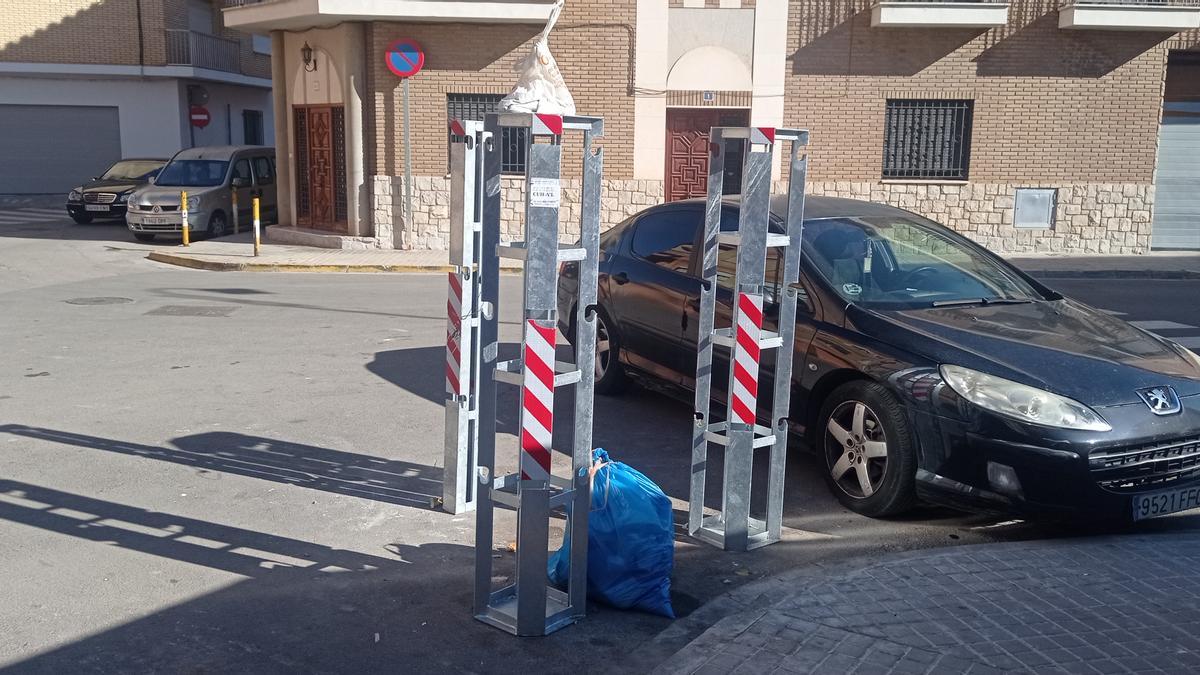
(210, 176)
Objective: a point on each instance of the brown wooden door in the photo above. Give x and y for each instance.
(687, 150)
(320, 167)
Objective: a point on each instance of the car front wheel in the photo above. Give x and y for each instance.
(216, 225)
(870, 462)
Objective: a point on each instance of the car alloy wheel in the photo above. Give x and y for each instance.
(857, 448)
(603, 349)
(216, 225)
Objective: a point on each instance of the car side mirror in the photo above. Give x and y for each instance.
(240, 182)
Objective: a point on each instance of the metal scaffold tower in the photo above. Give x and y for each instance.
(733, 528)
(529, 605)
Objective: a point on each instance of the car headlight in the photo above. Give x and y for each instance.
(193, 203)
(1027, 404)
(123, 197)
(75, 195)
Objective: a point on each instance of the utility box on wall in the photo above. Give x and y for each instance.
(1034, 207)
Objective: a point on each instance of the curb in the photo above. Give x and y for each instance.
(223, 266)
(1114, 274)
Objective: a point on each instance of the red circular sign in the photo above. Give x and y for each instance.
(199, 115)
(404, 58)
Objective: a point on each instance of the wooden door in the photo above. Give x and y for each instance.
(687, 150)
(320, 167)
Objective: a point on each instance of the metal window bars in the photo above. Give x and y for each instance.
(462, 107)
(733, 528)
(529, 606)
(927, 138)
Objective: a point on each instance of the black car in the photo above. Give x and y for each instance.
(957, 378)
(104, 196)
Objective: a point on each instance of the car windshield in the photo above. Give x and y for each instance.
(193, 173)
(132, 169)
(904, 261)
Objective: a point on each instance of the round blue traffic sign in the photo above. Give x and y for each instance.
(405, 58)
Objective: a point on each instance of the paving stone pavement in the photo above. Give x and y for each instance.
(1122, 604)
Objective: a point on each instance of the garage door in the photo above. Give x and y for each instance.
(1177, 191)
(55, 147)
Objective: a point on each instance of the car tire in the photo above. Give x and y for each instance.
(81, 219)
(217, 225)
(611, 379)
(143, 236)
(868, 450)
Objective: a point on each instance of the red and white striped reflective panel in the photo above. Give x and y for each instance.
(454, 336)
(544, 125)
(763, 135)
(745, 358)
(537, 401)
(456, 128)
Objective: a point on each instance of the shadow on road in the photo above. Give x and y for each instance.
(384, 480)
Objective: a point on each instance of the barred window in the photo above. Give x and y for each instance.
(927, 138)
(474, 107)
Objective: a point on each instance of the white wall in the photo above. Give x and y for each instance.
(149, 109)
(225, 127)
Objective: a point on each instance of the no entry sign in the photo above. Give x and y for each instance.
(199, 115)
(405, 58)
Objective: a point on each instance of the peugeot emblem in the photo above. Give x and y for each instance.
(157, 209)
(1160, 400)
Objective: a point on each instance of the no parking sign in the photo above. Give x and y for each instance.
(405, 58)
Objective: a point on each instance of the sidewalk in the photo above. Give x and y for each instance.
(1109, 604)
(1155, 265)
(236, 253)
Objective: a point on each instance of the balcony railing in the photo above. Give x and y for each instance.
(201, 50)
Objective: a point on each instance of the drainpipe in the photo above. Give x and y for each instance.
(283, 147)
(354, 85)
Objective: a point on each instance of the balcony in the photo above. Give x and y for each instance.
(261, 16)
(939, 13)
(1170, 16)
(201, 50)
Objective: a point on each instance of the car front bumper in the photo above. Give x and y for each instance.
(164, 223)
(1084, 473)
(114, 210)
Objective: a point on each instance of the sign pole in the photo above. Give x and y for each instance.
(407, 164)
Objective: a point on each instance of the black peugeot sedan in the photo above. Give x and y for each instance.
(938, 372)
(104, 196)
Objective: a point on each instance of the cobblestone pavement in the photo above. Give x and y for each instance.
(1104, 605)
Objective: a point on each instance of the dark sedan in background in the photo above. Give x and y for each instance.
(926, 368)
(105, 195)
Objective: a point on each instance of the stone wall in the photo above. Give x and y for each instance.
(1091, 218)
(430, 228)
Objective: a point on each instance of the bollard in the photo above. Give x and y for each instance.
(254, 203)
(183, 211)
(234, 208)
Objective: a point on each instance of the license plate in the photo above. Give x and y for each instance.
(96, 207)
(1155, 504)
(155, 220)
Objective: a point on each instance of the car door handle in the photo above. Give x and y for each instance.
(621, 278)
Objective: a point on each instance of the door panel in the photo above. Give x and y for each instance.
(320, 168)
(264, 181)
(53, 148)
(687, 151)
(648, 288)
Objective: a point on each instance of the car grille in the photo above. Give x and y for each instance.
(147, 208)
(99, 197)
(1125, 470)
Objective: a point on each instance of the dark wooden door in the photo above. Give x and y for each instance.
(320, 167)
(687, 150)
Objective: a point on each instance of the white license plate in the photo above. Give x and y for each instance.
(96, 207)
(1155, 504)
(155, 220)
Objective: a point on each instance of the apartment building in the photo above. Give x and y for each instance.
(86, 82)
(1029, 125)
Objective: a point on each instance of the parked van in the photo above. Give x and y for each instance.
(210, 176)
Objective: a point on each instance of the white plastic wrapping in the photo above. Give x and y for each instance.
(540, 87)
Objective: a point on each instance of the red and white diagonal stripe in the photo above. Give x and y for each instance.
(744, 401)
(537, 401)
(454, 336)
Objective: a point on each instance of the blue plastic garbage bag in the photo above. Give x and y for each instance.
(631, 542)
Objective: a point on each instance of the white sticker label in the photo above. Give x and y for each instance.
(544, 192)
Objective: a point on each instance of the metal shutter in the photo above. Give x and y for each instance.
(1177, 192)
(51, 149)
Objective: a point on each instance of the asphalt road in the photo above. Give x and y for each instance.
(215, 471)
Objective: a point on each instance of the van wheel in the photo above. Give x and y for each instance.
(217, 227)
(143, 236)
(870, 458)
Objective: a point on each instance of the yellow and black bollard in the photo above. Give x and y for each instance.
(234, 208)
(257, 227)
(183, 211)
